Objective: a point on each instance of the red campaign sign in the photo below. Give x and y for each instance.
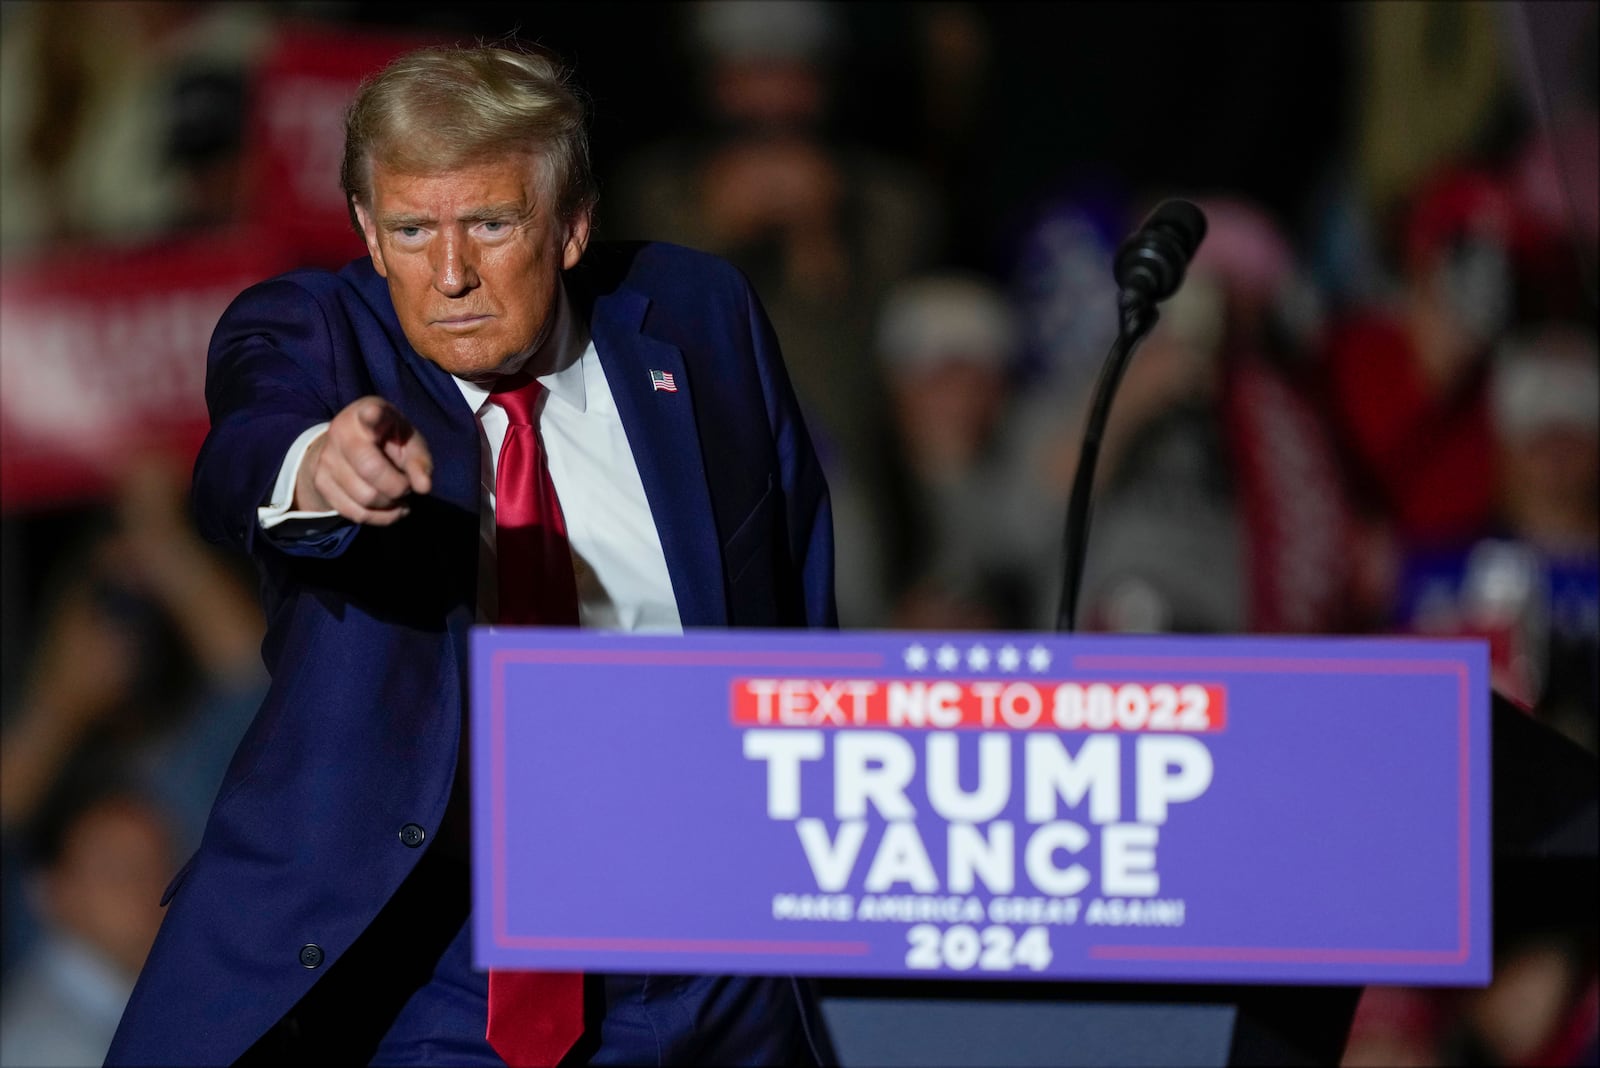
(103, 352)
(987, 704)
(302, 89)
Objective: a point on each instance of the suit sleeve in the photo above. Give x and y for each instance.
(808, 516)
(270, 375)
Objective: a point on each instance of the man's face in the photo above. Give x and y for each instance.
(473, 258)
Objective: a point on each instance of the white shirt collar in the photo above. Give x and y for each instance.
(563, 352)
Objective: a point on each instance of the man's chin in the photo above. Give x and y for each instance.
(474, 367)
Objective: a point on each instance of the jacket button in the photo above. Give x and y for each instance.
(412, 834)
(311, 955)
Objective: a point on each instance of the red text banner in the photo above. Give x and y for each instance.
(979, 704)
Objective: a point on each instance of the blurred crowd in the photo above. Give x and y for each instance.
(1373, 407)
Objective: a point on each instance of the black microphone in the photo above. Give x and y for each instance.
(1149, 268)
(1150, 264)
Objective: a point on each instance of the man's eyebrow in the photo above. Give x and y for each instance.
(511, 209)
(395, 220)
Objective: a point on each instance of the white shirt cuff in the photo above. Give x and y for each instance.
(277, 511)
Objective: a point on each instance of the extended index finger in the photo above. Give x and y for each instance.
(400, 443)
(383, 420)
(413, 457)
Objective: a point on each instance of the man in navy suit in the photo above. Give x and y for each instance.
(353, 453)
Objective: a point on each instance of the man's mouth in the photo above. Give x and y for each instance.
(459, 323)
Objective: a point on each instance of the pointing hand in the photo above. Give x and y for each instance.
(365, 466)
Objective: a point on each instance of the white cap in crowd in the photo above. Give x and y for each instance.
(1546, 379)
(947, 317)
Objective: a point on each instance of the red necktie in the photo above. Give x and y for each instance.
(534, 1017)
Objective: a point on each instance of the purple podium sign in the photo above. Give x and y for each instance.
(1194, 809)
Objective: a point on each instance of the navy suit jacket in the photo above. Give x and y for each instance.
(367, 626)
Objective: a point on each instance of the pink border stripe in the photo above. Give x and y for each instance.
(1463, 806)
(1320, 665)
(675, 659)
(497, 791)
(1266, 953)
(688, 945)
(1286, 665)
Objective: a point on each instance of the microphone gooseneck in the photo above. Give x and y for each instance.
(1149, 267)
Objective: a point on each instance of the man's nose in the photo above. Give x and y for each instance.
(454, 272)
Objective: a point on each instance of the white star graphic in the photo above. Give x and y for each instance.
(949, 657)
(978, 658)
(916, 657)
(1039, 658)
(1009, 658)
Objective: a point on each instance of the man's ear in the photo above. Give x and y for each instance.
(369, 232)
(577, 241)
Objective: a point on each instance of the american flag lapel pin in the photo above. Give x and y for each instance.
(662, 381)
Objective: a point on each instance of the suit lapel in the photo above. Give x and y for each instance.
(433, 403)
(665, 442)
(430, 398)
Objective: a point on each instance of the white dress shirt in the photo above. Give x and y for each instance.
(621, 571)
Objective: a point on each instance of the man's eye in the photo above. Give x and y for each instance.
(494, 226)
(409, 231)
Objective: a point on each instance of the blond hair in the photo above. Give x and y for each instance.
(436, 109)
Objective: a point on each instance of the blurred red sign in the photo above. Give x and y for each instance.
(302, 89)
(103, 354)
(102, 348)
